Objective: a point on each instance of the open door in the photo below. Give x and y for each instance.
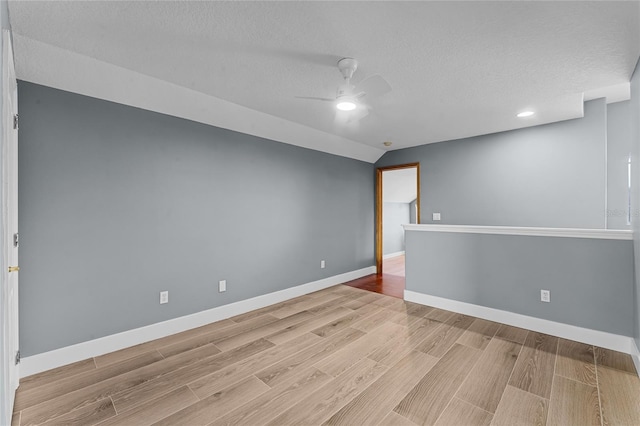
(379, 206)
(9, 199)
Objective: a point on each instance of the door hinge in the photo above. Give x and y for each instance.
(15, 121)
(18, 357)
(16, 240)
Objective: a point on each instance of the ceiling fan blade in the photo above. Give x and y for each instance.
(359, 113)
(313, 98)
(359, 96)
(373, 86)
(341, 118)
(351, 119)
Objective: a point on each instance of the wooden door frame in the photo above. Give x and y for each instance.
(379, 203)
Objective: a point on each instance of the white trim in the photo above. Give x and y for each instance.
(604, 234)
(73, 72)
(63, 356)
(635, 355)
(9, 341)
(396, 254)
(579, 334)
(606, 168)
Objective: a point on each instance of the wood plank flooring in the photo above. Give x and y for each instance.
(341, 356)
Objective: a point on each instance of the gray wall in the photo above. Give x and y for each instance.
(548, 176)
(118, 204)
(618, 150)
(394, 216)
(412, 211)
(556, 175)
(635, 196)
(591, 280)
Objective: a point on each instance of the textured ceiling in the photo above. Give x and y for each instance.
(456, 69)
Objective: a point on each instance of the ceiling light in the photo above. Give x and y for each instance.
(346, 105)
(524, 114)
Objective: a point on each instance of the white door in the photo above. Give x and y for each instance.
(10, 268)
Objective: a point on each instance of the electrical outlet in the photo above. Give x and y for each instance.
(164, 297)
(545, 296)
(222, 286)
(436, 216)
(322, 264)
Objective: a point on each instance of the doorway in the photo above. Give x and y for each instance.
(397, 203)
(401, 185)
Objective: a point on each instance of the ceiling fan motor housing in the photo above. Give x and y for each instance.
(346, 90)
(347, 67)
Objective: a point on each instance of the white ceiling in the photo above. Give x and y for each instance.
(399, 186)
(457, 69)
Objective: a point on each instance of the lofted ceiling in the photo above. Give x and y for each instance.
(456, 69)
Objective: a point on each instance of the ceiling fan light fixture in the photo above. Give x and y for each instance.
(346, 105)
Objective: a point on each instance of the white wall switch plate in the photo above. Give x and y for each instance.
(322, 264)
(436, 216)
(164, 297)
(222, 286)
(545, 296)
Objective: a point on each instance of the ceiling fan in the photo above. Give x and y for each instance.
(350, 98)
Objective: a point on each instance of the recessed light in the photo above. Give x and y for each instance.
(524, 114)
(346, 105)
(387, 143)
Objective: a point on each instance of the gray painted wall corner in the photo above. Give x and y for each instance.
(526, 177)
(412, 211)
(619, 125)
(545, 176)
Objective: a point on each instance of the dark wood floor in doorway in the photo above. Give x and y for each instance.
(390, 283)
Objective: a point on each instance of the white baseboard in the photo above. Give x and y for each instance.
(63, 356)
(635, 355)
(592, 337)
(390, 255)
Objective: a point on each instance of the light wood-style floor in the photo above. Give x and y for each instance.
(342, 356)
